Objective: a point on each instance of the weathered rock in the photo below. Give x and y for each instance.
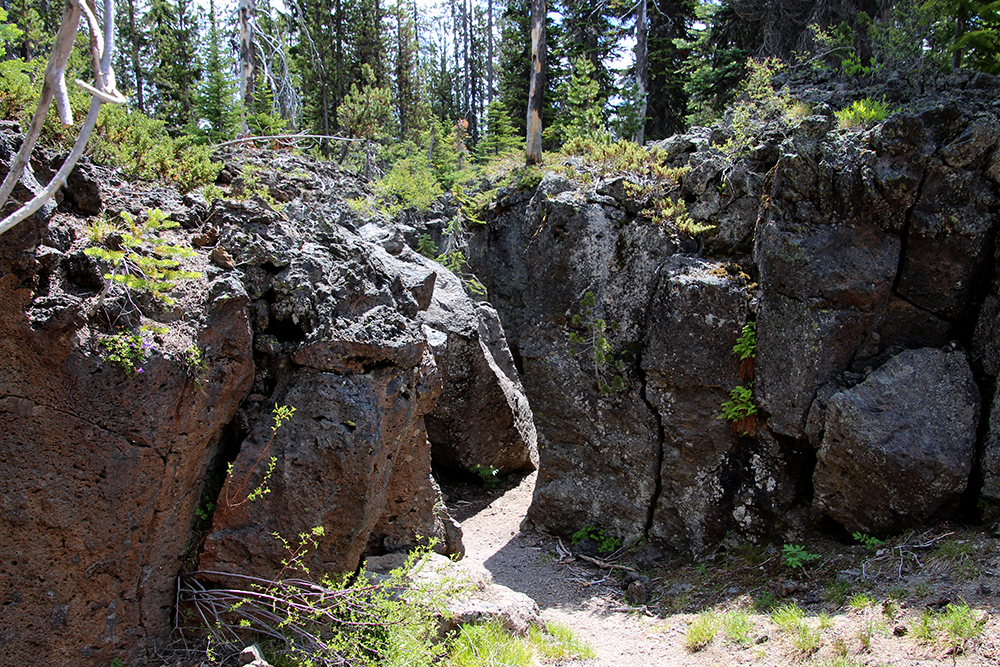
(539, 263)
(711, 481)
(947, 247)
(898, 448)
(102, 473)
(483, 417)
(475, 599)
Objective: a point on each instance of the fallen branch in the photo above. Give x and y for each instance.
(279, 137)
(604, 565)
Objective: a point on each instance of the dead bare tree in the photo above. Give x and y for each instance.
(54, 87)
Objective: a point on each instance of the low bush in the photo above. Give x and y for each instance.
(862, 113)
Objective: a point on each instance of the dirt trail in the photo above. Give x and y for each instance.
(590, 601)
(572, 594)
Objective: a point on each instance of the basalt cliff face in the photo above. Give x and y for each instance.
(866, 260)
(111, 476)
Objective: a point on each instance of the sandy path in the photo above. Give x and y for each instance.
(569, 594)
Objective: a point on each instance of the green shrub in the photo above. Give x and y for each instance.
(862, 113)
(411, 183)
(141, 146)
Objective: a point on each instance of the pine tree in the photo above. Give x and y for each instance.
(591, 31)
(666, 99)
(216, 102)
(176, 68)
(969, 29)
(410, 110)
(131, 52)
(500, 136)
(582, 97)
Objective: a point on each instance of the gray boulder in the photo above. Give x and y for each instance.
(483, 417)
(898, 448)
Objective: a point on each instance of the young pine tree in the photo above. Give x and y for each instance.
(582, 102)
(500, 136)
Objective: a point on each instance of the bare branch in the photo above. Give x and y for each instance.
(103, 91)
(280, 137)
(53, 81)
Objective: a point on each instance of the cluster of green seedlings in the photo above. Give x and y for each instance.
(606, 542)
(862, 113)
(486, 473)
(740, 408)
(140, 256)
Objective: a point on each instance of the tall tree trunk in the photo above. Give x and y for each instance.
(533, 144)
(956, 55)
(641, 70)
(246, 62)
(339, 53)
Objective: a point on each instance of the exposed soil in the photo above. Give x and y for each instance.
(903, 580)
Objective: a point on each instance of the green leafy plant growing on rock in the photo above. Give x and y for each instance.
(862, 113)
(594, 343)
(488, 474)
(746, 349)
(281, 414)
(606, 544)
(127, 351)
(141, 258)
(740, 408)
(741, 411)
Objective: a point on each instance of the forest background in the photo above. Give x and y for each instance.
(441, 86)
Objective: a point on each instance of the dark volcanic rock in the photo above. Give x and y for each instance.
(898, 448)
(483, 417)
(711, 481)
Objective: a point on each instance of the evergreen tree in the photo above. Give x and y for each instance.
(592, 32)
(216, 102)
(582, 96)
(33, 38)
(666, 99)
(175, 65)
(515, 65)
(131, 52)
(410, 110)
(500, 136)
(969, 30)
